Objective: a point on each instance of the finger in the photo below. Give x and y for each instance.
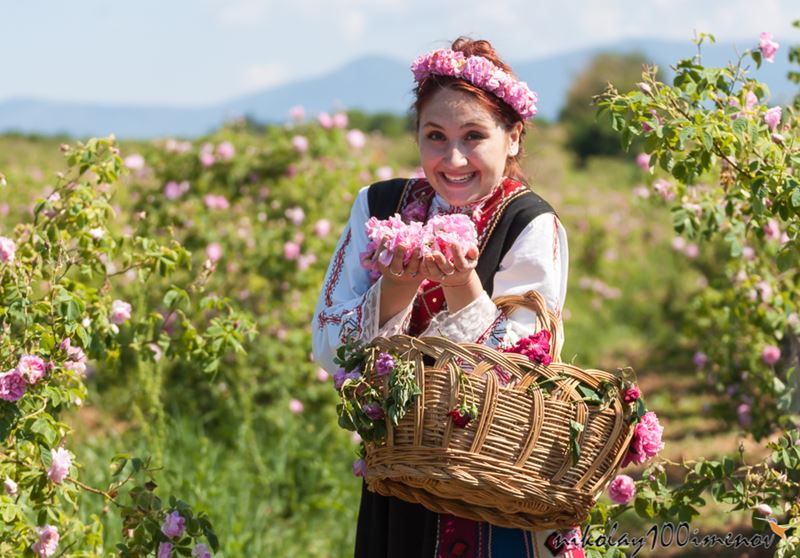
(472, 252)
(414, 265)
(459, 261)
(396, 266)
(430, 269)
(442, 263)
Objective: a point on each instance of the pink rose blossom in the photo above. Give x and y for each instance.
(300, 143)
(10, 487)
(164, 550)
(291, 250)
(226, 151)
(744, 416)
(643, 161)
(768, 46)
(304, 261)
(771, 355)
(750, 100)
(631, 394)
(641, 192)
(214, 201)
(32, 368)
(322, 228)
(59, 467)
(172, 190)
(665, 189)
(763, 509)
(322, 375)
(678, 243)
(692, 250)
(356, 139)
(201, 551)
(771, 229)
(748, 253)
(646, 441)
(297, 113)
(325, 120)
(48, 540)
(340, 120)
(214, 251)
(384, 173)
(622, 489)
(296, 215)
(7, 250)
(12, 385)
(173, 525)
(296, 406)
(360, 468)
(120, 312)
(134, 161)
(772, 118)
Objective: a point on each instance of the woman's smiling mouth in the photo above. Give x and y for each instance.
(457, 178)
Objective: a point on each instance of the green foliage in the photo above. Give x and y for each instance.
(587, 133)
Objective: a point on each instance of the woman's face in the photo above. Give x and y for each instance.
(463, 147)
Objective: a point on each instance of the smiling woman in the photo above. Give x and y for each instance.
(471, 113)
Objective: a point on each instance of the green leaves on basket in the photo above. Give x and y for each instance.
(603, 395)
(372, 385)
(545, 385)
(575, 429)
(403, 391)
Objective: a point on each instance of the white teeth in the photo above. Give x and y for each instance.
(460, 178)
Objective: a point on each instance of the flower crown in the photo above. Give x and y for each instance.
(481, 73)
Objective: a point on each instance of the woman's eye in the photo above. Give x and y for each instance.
(474, 136)
(435, 136)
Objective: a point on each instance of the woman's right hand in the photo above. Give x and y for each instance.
(398, 273)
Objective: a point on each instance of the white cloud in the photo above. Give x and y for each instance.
(262, 76)
(353, 24)
(242, 12)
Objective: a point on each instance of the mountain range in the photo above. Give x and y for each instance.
(371, 84)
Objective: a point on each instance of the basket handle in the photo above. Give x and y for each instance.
(545, 319)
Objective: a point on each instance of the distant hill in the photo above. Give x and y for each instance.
(370, 84)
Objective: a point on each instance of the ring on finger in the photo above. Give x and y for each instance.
(396, 274)
(451, 272)
(444, 275)
(413, 274)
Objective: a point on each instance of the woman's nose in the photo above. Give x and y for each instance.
(456, 155)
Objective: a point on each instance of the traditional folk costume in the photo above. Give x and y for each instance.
(522, 247)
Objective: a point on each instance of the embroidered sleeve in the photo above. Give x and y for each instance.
(348, 304)
(538, 260)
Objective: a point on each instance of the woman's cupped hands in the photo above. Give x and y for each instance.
(411, 269)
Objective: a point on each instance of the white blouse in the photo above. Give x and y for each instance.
(349, 300)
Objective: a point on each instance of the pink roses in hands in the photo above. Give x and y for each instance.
(441, 234)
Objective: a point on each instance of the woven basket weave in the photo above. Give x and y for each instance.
(512, 465)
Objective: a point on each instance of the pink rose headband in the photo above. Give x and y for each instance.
(481, 73)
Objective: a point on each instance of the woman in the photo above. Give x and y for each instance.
(471, 114)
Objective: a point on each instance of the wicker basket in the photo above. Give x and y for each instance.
(512, 466)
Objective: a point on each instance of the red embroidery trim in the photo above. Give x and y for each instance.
(338, 264)
(555, 238)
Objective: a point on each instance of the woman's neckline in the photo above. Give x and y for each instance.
(467, 208)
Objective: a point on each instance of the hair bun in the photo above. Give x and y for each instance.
(482, 48)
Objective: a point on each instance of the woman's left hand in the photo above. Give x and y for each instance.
(436, 268)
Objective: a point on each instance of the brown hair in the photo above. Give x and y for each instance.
(430, 85)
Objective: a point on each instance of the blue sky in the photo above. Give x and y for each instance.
(193, 53)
